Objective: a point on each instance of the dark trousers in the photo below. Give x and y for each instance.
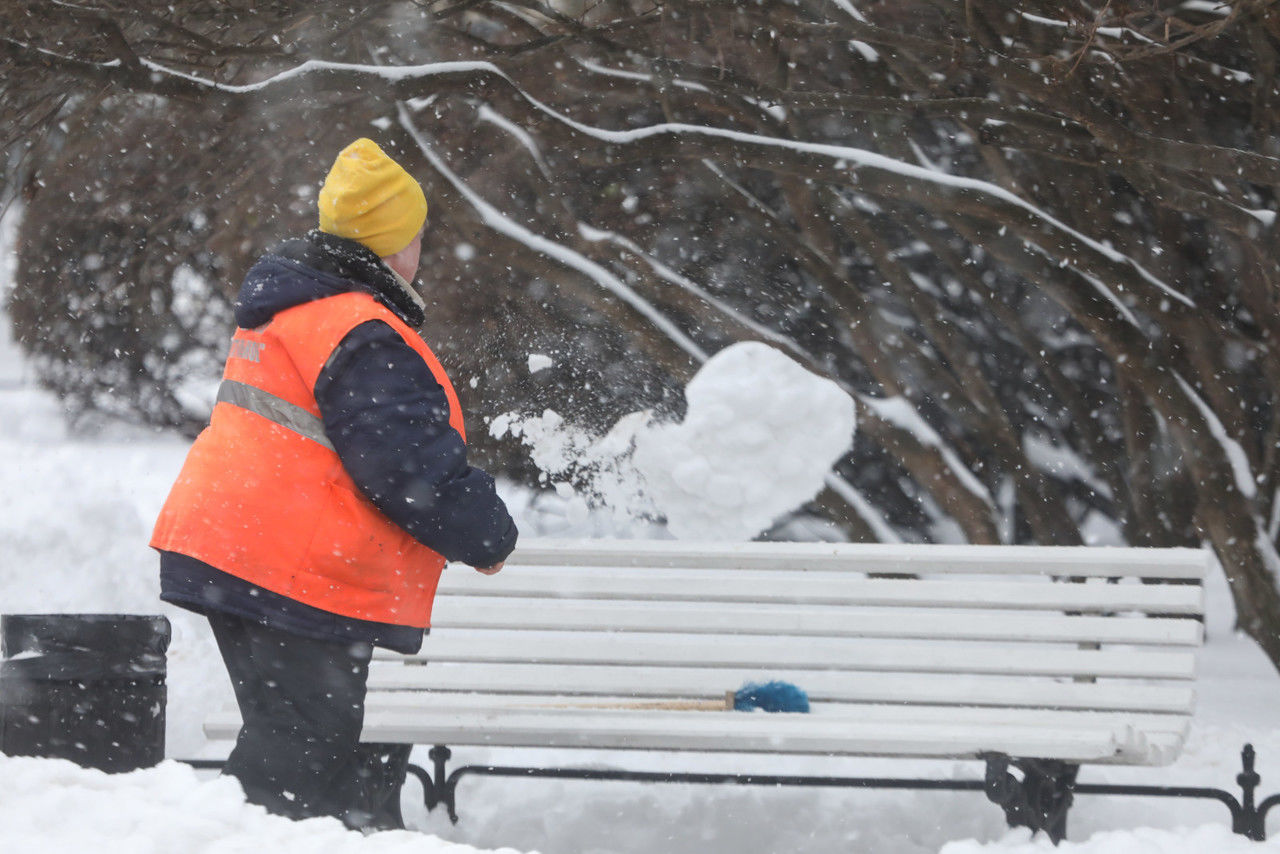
(299, 752)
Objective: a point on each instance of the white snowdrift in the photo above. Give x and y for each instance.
(54, 807)
(1207, 839)
(760, 434)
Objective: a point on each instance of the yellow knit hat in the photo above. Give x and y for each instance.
(369, 198)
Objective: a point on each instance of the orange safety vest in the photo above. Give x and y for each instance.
(263, 495)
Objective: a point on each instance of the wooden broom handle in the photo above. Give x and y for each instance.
(725, 704)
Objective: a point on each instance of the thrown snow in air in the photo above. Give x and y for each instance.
(760, 434)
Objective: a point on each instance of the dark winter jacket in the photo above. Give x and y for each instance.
(374, 394)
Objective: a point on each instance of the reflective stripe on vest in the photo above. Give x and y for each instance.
(275, 409)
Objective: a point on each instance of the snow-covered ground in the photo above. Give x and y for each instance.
(75, 511)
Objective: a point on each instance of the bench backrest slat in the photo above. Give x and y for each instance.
(477, 612)
(853, 654)
(1188, 564)
(829, 588)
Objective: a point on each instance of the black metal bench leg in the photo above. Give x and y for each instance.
(1040, 800)
(438, 787)
(1250, 820)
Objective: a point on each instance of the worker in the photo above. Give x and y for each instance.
(312, 518)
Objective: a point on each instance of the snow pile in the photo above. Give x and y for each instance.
(759, 436)
(1215, 838)
(55, 807)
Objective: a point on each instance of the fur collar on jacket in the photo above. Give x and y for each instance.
(321, 265)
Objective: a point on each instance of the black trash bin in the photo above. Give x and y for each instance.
(84, 687)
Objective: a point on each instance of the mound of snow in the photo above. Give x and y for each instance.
(760, 434)
(757, 440)
(56, 807)
(1215, 838)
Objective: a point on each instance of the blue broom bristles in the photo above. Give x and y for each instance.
(772, 696)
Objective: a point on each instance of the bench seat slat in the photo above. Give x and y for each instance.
(851, 654)
(818, 620)
(1187, 564)
(668, 682)
(824, 588)
(741, 733)
(738, 732)
(553, 704)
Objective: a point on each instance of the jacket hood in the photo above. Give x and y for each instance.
(316, 266)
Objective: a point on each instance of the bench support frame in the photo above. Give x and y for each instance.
(1038, 799)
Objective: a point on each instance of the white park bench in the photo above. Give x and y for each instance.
(1038, 659)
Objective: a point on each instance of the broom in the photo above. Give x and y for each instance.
(773, 696)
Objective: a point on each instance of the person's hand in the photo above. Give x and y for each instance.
(491, 570)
